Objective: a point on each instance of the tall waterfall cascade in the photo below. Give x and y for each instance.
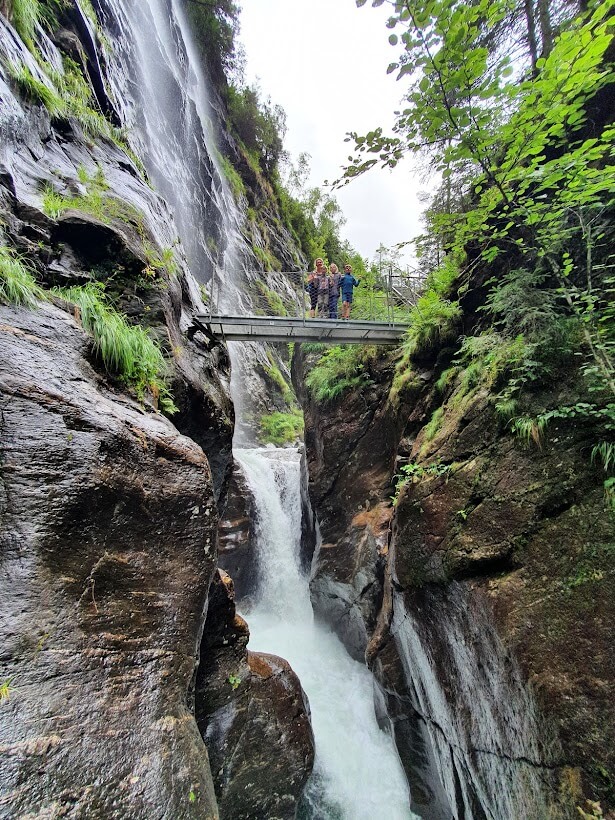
(162, 95)
(357, 772)
(163, 99)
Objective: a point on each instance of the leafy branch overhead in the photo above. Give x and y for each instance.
(509, 102)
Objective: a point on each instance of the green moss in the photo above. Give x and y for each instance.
(275, 374)
(446, 378)
(25, 15)
(433, 322)
(434, 424)
(95, 201)
(235, 181)
(68, 94)
(281, 428)
(273, 301)
(36, 90)
(17, 283)
(267, 259)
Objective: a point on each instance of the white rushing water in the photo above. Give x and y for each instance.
(357, 773)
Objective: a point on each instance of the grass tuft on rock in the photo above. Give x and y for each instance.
(126, 351)
(95, 201)
(17, 283)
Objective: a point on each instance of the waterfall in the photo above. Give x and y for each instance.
(357, 772)
(162, 97)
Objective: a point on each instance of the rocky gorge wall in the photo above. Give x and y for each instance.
(108, 509)
(483, 600)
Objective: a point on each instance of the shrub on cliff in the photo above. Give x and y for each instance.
(281, 428)
(338, 370)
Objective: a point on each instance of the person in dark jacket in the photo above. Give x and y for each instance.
(347, 284)
(335, 277)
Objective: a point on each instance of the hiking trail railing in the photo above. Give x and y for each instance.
(275, 306)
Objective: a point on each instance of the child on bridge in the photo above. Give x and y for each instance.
(347, 283)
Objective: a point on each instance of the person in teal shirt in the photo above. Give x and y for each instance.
(347, 284)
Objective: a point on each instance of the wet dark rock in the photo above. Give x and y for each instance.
(490, 633)
(235, 536)
(351, 448)
(253, 715)
(107, 545)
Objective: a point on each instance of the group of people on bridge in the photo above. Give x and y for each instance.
(325, 288)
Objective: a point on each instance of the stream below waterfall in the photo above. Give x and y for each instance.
(357, 773)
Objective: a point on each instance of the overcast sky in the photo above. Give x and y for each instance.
(324, 62)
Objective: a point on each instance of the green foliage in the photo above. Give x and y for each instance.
(281, 428)
(95, 201)
(234, 681)
(526, 176)
(594, 563)
(275, 374)
(67, 94)
(529, 429)
(415, 473)
(215, 25)
(35, 90)
(433, 322)
(259, 124)
(159, 260)
(313, 347)
(592, 810)
(434, 424)
(126, 351)
(6, 689)
(27, 14)
(605, 450)
(340, 369)
(274, 302)
(17, 283)
(235, 181)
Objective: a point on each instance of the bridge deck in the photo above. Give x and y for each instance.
(288, 329)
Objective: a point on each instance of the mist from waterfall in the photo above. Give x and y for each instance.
(357, 773)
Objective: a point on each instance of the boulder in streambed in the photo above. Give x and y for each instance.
(254, 718)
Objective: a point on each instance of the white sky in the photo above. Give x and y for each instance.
(324, 62)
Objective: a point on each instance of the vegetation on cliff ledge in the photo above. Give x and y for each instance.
(126, 351)
(17, 283)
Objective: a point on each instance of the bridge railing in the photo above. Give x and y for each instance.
(284, 294)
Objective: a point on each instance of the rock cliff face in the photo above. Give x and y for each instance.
(351, 453)
(488, 612)
(108, 510)
(107, 544)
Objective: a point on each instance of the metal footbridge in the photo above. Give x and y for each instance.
(277, 309)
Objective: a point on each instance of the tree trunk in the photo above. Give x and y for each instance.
(546, 32)
(531, 33)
